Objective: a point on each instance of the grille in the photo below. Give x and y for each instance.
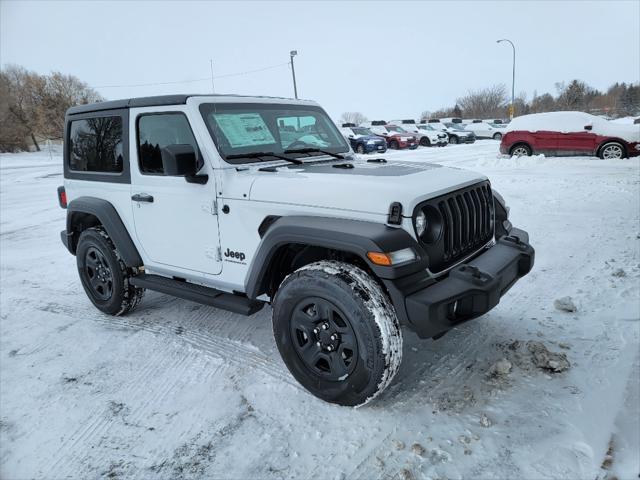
(466, 217)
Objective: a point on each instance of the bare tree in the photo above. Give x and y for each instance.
(33, 106)
(24, 95)
(60, 93)
(353, 117)
(13, 135)
(485, 103)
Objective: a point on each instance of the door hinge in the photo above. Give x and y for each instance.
(219, 254)
(214, 207)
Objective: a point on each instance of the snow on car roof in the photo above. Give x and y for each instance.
(551, 121)
(568, 122)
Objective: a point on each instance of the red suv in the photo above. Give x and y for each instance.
(570, 133)
(397, 137)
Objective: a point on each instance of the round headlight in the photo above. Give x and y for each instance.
(421, 223)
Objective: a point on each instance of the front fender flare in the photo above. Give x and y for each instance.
(353, 236)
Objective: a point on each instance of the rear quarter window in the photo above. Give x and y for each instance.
(95, 145)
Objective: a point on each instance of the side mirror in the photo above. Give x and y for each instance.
(588, 127)
(179, 160)
(351, 136)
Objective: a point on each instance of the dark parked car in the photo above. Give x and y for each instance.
(362, 139)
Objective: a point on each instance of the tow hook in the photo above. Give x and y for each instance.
(477, 276)
(515, 240)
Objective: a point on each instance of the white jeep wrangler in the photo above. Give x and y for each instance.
(237, 201)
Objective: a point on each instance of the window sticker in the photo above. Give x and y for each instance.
(244, 129)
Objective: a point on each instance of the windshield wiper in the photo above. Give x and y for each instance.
(259, 156)
(315, 150)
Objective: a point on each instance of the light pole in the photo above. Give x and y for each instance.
(213, 87)
(513, 78)
(292, 54)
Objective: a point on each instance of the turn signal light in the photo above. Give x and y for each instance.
(379, 258)
(393, 258)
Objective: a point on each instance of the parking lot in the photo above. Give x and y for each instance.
(180, 390)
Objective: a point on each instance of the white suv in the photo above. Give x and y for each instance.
(237, 202)
(426, 138)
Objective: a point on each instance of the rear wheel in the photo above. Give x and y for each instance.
(453, 139)
(520, 150)
(611, 150)
(337, 332)
(360, 149)
(104, 276)
(497, 136)
(394, 145)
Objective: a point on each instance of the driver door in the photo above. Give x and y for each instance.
(176, 222)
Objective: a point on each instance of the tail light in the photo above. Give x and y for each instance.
(62, 197)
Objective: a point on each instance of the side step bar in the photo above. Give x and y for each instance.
(198, 293)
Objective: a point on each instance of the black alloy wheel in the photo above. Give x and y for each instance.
(323, 338)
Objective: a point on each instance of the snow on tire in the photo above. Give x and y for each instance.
(337, 332)
(104, 275)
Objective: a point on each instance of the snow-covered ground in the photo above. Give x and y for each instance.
(180, 390)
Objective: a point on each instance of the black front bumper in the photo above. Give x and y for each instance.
(470, 289)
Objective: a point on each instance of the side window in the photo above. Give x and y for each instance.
(95, 145)
(156, 131)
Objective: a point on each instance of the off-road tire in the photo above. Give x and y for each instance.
(611, 150)
(520, 150)
(363, 320)
(497, 136)
(97, 259)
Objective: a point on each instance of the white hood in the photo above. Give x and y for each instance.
(368, 187)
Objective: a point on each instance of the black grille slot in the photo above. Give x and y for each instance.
(467, 224)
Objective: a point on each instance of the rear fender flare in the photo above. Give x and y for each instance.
(107, 215)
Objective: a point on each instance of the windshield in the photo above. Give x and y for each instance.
(426, 127)
(245, 128)
(454, 126)
(362, 131)
(393, 128)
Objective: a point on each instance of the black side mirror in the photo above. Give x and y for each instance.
(588, 127)
(180, 160)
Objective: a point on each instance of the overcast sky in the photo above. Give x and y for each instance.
(387, 59)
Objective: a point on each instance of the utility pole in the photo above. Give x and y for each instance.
(292, 54)
(213, 88)
(513, 78)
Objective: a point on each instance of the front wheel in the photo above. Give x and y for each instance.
(611, 150)
(424, 141)
(453, 139)
(393, 145)
(337, 332)
(360, 149)
(497, 136)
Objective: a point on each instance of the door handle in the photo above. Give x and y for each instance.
(142, 197)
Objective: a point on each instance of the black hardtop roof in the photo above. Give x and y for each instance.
(156, 101)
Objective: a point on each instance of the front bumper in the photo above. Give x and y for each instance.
(377, 147)
(470, 289)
